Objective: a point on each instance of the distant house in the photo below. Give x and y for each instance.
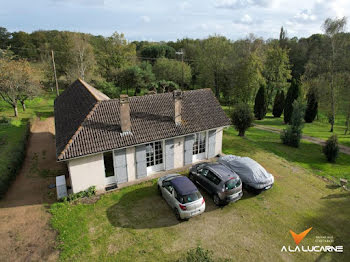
(112, 141)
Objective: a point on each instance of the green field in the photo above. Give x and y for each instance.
(319, 128)
(135, 224)
(13, 135)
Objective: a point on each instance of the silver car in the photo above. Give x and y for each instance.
(252, 174)
(181, 195)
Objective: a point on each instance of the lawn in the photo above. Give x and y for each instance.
(135, 224)
(319, 128)
(13, 134)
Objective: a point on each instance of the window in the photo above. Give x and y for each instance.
(211, 176)
(199, 143)
(154, 153)
(188, 198)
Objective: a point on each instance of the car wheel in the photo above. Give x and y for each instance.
(217, 200)
(177, 214)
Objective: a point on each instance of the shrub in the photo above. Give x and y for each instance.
(292, 134)
(331, 148)
(198, 255)
(311, 108)
(5, 120)
(278, 104)
(242, 118)
(108, 89)
(260, 105)
(292, 95)
(87, 193)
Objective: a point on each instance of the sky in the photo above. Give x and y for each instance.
(169, 20)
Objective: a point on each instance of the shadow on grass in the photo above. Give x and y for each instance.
(144, 208)
(44, 115)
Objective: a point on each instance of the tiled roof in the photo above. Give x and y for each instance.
(92, 126)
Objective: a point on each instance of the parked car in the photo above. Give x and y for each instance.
(181, 195)
(219, 181)
(252, 174)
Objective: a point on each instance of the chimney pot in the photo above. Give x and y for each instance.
(178, 94)
(125, 113)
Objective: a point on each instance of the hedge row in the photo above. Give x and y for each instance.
(16, 157)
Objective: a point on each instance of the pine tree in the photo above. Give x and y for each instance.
(311, 108)
(292, 94)
(278, 105)
(260, 107)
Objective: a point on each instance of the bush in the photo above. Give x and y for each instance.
(198, 255)
(311, 108)
(292, 134)
(260, 105)
(242, 118)
(5, 120)
(278, 104)
(17, 157)
(331, 148)
(87, 193)
(108, 88)
(292, 95)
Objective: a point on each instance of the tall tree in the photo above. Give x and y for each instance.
(260, 103)
(278, 105)
(172, 70)
(212, 62)
(277, 70)
(332, 28)
(292, 95)
(311, 107)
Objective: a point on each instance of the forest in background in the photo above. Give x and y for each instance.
(234, 70)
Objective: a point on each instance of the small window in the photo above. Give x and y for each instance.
(213, 178)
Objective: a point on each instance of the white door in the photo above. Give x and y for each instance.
(154, 157)
(199, 147)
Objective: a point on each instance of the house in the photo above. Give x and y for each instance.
(112, 141)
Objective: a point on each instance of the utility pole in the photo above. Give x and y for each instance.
(182, 61)
(54, 71)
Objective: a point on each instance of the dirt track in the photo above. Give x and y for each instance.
(315, 140)
(24, 219)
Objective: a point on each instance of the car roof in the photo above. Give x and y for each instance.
(183, 185)
(224, 172)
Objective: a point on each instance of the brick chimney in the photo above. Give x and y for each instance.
(125, 122)
(177, 94)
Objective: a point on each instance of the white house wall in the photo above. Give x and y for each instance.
(86, 172)
(218, 142)
(90, 171)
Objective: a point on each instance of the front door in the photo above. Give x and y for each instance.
(109, 168)
(199, 146)
(154, 157)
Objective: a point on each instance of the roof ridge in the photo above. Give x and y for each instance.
(71, 140)
(88, 87)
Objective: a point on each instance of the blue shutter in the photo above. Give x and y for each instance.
(211, 143)
(188, 149)
(169, 154)
(141, 165)
(120, 166)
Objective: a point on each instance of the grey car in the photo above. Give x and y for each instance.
(181, 195)
(219, 181)
(252, 174)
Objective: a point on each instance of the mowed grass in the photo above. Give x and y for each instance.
(318, 128)
(135, 223)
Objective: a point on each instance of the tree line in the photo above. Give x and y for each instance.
(235, 70)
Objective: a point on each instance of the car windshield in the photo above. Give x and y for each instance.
(189, 198)
(232, 183)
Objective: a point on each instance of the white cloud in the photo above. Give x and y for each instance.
(235, 4)
(246, 19)
(305, 16)
(145, 19)
(184, 5)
